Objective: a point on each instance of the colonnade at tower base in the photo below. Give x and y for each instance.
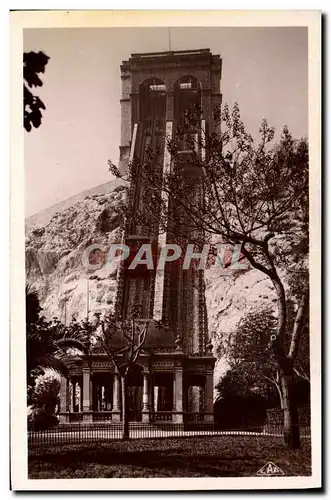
(168, 387)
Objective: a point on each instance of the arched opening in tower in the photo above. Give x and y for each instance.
(150, 141)
(187, 111)
(152, 107)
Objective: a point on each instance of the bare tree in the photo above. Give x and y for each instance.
(123, 341)
(226, 187)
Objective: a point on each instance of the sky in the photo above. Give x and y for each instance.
(264, 69)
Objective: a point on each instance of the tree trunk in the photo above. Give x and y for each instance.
(291, 418)
(291, 421)
(125, 412)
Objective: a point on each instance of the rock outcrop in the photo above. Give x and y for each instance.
(67, 288)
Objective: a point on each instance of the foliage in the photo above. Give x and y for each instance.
(251, 357)
(33, 64)
(252, 342)
(250, 190)
(47, 341)
(240, 410)
(44, 399)
(46, 391)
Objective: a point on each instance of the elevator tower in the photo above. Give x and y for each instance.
(157, 89)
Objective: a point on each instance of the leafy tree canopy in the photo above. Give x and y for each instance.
(227, 186)
(34, 63)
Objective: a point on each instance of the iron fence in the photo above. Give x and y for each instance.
(77, 433)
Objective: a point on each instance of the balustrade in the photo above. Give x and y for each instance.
(161, 416)
(102, 416)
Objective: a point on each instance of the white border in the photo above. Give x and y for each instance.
(20, 20)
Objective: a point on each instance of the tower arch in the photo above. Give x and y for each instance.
(187, 99)
(152, 109)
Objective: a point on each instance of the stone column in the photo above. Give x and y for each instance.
(170, 105)
(145, 411)
(209, 397)
(178, 395)
(125, 118)
(155, 397)
(79, 399)
(74, 395)
(205, 98)
(102, 393)
(64, 400)
(87, 416)
(71, 394)
(98, 392)
(193, 399)
(108, 397)
(91, 394)
(116, 411)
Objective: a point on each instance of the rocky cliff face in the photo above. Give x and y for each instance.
(54, 253)
(67, 288)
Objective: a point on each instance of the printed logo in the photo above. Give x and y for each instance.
(270, 469)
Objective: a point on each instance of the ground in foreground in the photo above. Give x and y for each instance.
(224, 456)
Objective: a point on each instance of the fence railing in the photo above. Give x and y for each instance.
(77, 433)
(157, 416)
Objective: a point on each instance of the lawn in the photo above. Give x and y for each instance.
(223, 456)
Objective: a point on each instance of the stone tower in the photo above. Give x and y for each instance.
(157, 88)
(173, 377)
